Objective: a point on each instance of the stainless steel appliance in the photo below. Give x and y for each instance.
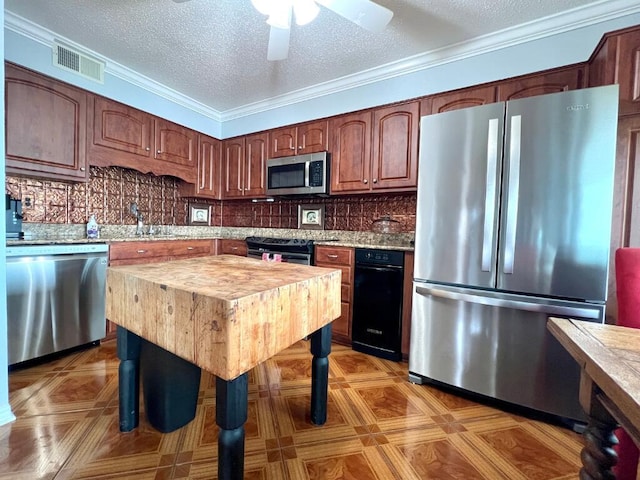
(13, 217)
(298, 175)
(513, 224)
(55, 298)
(292, 250)
(377, 303)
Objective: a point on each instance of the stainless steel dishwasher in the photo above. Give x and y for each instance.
(55, 298)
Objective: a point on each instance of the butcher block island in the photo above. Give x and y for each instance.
(225, 314)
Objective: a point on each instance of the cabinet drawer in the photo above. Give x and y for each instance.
(158, 250)
(233, 247)
(346, 271)
(334, 256)
(189, 248)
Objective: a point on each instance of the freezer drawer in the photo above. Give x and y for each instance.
(496, 345)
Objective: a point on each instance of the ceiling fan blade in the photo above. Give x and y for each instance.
(364, 13)
(278, 43)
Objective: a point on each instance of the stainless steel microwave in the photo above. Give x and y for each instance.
(298, 175)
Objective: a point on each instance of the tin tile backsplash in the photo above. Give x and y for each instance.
(109, 192)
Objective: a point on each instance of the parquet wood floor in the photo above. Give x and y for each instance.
(379, 426)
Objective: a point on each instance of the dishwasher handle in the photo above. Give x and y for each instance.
(381, 268)
(530, 306)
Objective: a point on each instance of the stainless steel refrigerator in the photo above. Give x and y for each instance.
(513, 225)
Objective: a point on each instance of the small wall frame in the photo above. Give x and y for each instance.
(199, 214)
(311, 217)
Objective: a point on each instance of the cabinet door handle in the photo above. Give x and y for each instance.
(142, 251)
(82, 169)
(292, 148)
(332, 256)
(159, 151)
(375, 180)
(234, 248)
(365, 181)
(189, 248)
(148, 148)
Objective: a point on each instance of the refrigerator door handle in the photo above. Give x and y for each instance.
(581, 312)
(490, 195)
(513, 192)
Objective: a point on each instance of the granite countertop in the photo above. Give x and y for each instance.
(44, 234)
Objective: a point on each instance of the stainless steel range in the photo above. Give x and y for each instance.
(292, 250)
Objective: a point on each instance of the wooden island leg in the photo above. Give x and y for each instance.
(128, 347)
(320, 348)
(598, 456)
(231, 414)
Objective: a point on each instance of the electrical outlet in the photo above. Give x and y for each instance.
(27, 201)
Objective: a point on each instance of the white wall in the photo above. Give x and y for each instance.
(5, 409)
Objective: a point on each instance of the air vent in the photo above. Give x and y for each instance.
(78, 62)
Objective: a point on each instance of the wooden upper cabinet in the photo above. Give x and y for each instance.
(255, 174)
(313, 137)
(233, 167)
(395, 147)
(617, 60)
(376, 150)
(351, 152)
(175, 144)
(244, 166)
(209, 170)
(602, 64)
(628, 72)
(297, 140)
(45, 127)
(469, 97)
(119, 127)
(127, 137)
(283, 142)
(555, 81)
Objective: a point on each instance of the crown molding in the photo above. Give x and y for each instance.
(580, 17)
(46, 37)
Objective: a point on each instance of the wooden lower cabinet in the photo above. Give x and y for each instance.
(153, 251)
(344, 259)
(230, 246)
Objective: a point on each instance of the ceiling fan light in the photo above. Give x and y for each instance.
(263, 6)
(305, 11)
(280, 15)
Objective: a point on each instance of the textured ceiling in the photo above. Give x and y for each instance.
(214, 51)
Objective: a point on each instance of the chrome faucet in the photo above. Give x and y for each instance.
(133, 208)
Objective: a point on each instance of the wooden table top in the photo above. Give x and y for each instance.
(224, 313)
(610, 356)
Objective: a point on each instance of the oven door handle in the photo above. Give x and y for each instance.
(294, 256)
(285, 256)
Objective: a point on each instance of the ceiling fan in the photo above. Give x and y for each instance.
(365, 13)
